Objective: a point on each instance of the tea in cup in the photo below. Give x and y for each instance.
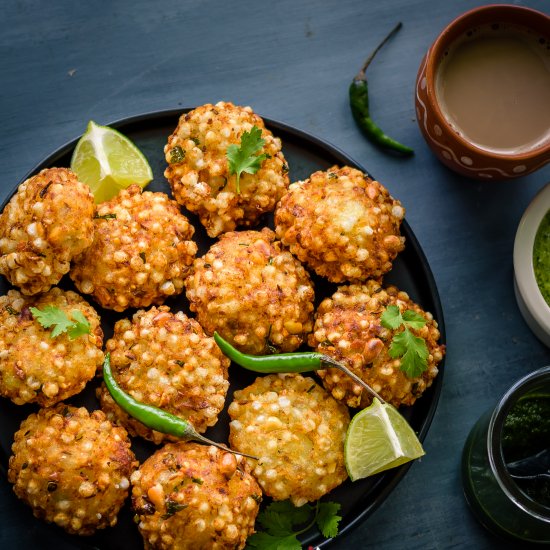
(483, 93)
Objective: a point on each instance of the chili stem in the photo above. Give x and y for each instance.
(335, 364)
(311, 523)
(361, 73)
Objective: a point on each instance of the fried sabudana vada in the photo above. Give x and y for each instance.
(253, 292)
(48, 221)
(342, 224)
(36, 368)
(297, 429)
(165, 359)
(348, 328)
(199, 172)
(141, 252)
(72, 468)
(195, 497)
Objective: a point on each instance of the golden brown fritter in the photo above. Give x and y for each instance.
(348, 328)
(47, 222)
(166, 360)
(341, 224)
(141, 252)
(36, 368)
(194, 497)
(72, 468)
(254, 293)
(297, 430)
(199, 174)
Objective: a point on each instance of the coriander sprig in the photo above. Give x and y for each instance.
(53, 316)
(243, 159)
(412, 349)
(280, 519)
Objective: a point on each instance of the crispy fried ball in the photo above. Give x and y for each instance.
(36, 368)
(141, 252)
(348, 327)
(72, 468)
(199, 172)
(43, 227)
(166, 360)
(254, 293)
(297, 430)
(193, 497)
(342, 224)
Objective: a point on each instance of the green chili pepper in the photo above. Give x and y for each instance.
(153, 417)
(359, 103)
(287, 362)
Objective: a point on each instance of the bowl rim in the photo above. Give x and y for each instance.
(444, 40)
(524, 271)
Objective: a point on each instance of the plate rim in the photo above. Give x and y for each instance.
(391, 478)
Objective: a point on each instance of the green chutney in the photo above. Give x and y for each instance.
(541, 257)
(526, 432)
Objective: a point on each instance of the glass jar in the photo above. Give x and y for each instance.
(493, 496)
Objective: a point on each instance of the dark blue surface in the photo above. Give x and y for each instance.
(63, 63)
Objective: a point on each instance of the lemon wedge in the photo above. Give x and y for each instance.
(379, 438)
(108, 161)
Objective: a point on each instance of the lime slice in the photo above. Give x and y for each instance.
(379, 438)
(107, 162)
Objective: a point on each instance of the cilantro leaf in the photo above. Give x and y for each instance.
(328, 519)
(52, 316)
(413, 352)
(177, 154)
(391, 318)
(265, 541)
(412, 319)
(105, 217)
(283, 512)
(80, 326)
(241, 159)
(279, 517)
(274, 523)
(398, 346)
(412, 349)
(172, 507)
(283, 522)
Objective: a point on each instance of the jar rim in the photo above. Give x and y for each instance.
(494, 444)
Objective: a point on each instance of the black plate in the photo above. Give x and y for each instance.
(411, 273)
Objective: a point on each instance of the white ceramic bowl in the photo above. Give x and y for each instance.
(532, 305)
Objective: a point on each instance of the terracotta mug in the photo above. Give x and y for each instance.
(452, 148)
